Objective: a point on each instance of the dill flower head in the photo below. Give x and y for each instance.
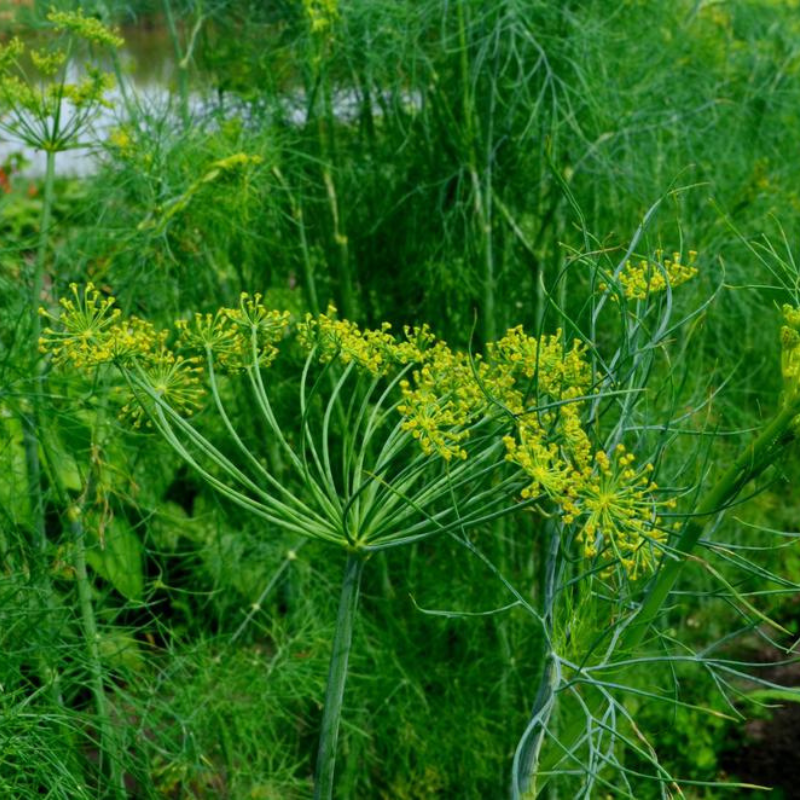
(88, 28)
(650, 277)
(41, 107)
(90, 332)
(415, 347)
(261, 329)
(619, 513)
(48, 63)
(453, 391)
(437, 423)
(790, 348)
(214, 335)
(89, 92)
(343, 341)
(85, 333)
(321, 14)
(172, 379)
(442, 400)
(133, 338)
(556, 370)
(543, 461)
(10, 53)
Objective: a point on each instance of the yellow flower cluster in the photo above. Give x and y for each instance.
(88, 28)
(122, 142)
(451, 391)
(619, 513)
(47, 63)
(649, 277)
(261, 328)
(88, 92)
(10, 53)
(32, 106)
(342, 340)
(537, 384)
(90, 333)
(214, 334)
(87, 321)
(321, 14)
(441, 401)
(174, 379)
(236, 338)
(790, 348)
(552, 475)
(613, 504)
(376, 351)
(558, 373)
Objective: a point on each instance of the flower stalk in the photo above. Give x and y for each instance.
(337, 677)
(33, 420)
(109, 749)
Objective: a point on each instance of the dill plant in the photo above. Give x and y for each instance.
(45, 107)
(456, 110)
(601, 626)
(42, 107)
(399, 438)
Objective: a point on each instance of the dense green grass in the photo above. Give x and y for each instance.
(467, 164)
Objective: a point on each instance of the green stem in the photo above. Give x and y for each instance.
(750, 464)
(309, 280)
(31, 430)
(108, 742)
(31, 421)
(180, 63)
(337, 676)
(340, 241)
(326, 141)
(482, 200)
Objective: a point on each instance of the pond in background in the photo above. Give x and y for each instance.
(150, 74)
(148, 66)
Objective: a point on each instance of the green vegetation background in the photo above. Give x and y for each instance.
(466, 164)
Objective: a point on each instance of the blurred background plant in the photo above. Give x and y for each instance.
(471, 165)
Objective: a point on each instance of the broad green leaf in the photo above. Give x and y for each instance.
(61, 461)
(14, 497)
(118, 558)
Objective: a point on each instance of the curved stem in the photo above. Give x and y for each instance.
(337, 677)
(527, 755)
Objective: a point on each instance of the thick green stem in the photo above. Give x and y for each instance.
(108, 741)
(749, 465)
(337, 677)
